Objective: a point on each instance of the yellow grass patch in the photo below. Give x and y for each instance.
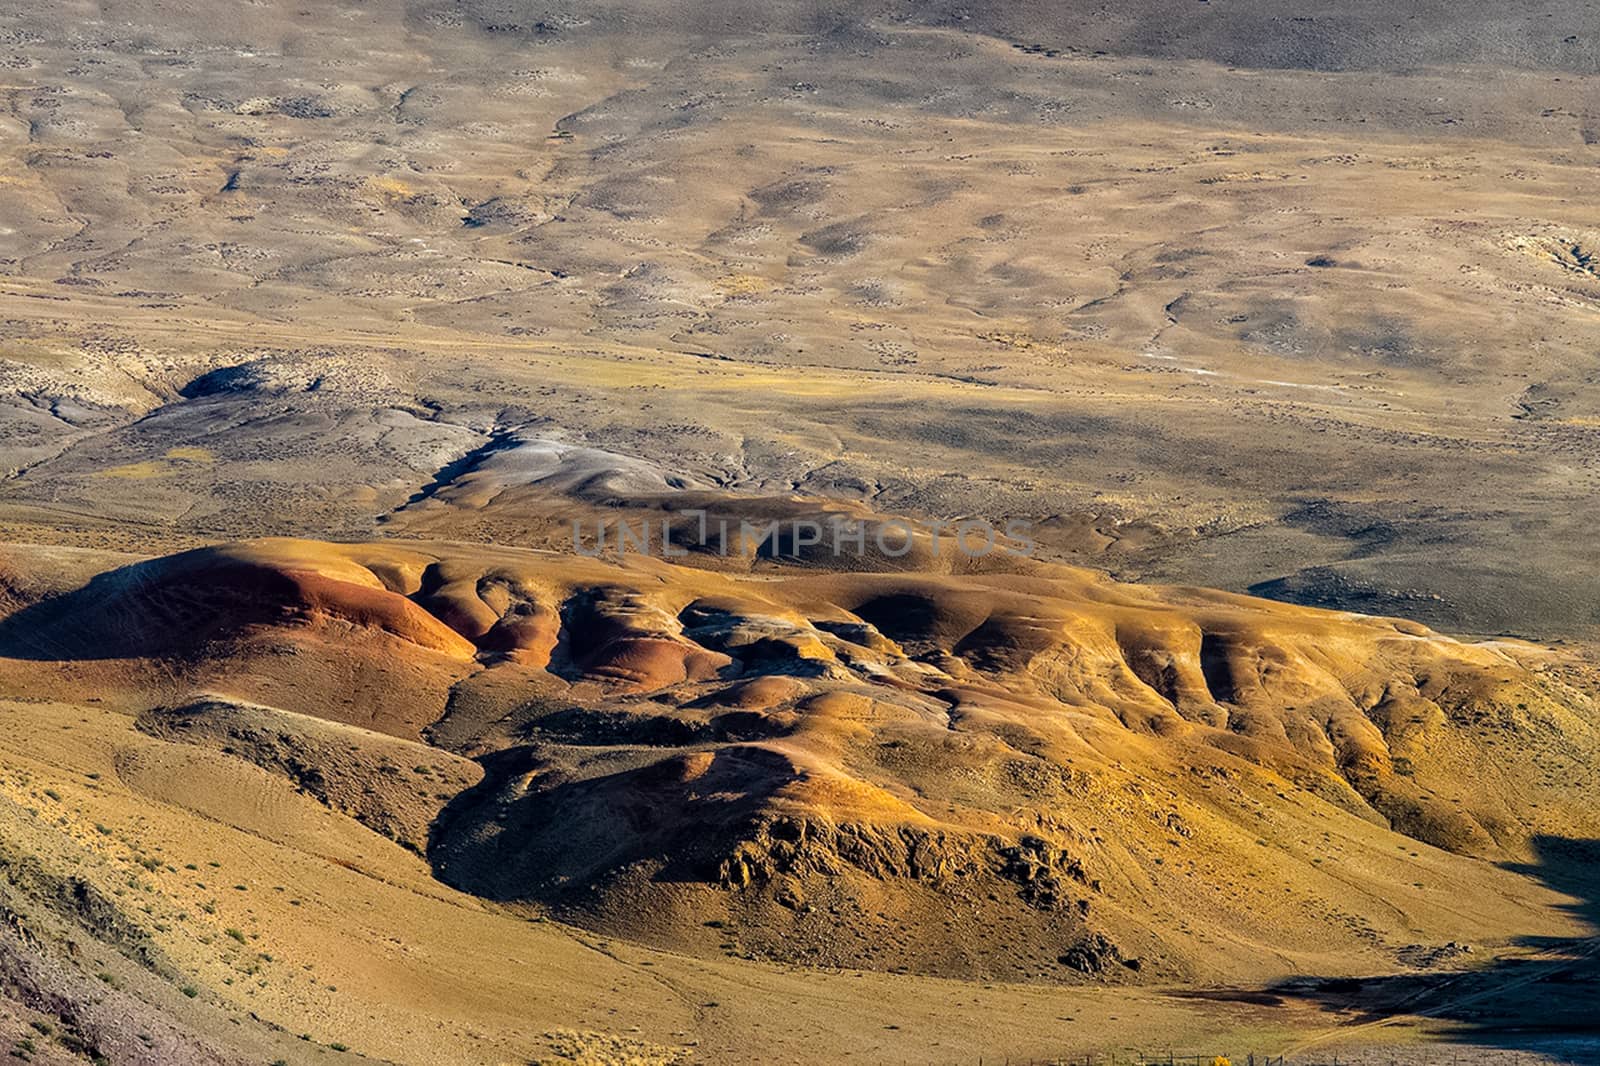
(389, 186)
(742, 284)
(140, 471)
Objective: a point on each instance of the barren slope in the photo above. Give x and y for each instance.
(320, 326)
(1031, 772)
(1211, 293)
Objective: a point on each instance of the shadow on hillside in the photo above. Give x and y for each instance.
(1549, 1003)
(679, 817)
(137, 610)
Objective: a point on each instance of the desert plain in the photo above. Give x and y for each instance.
(1276, 334)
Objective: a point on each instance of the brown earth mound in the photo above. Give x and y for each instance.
(1022, 774)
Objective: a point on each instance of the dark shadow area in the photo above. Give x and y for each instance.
(1546, 1001)
(162, 606)
(466, 464)
(510, 838)
(1216, 668)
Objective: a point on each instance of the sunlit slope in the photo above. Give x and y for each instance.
(1035, 774)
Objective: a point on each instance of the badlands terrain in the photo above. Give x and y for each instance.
(1272, 729)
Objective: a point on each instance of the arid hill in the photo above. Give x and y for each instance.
(324, 738)
(1033, 773)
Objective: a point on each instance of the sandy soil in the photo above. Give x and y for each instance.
(1212, 298)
